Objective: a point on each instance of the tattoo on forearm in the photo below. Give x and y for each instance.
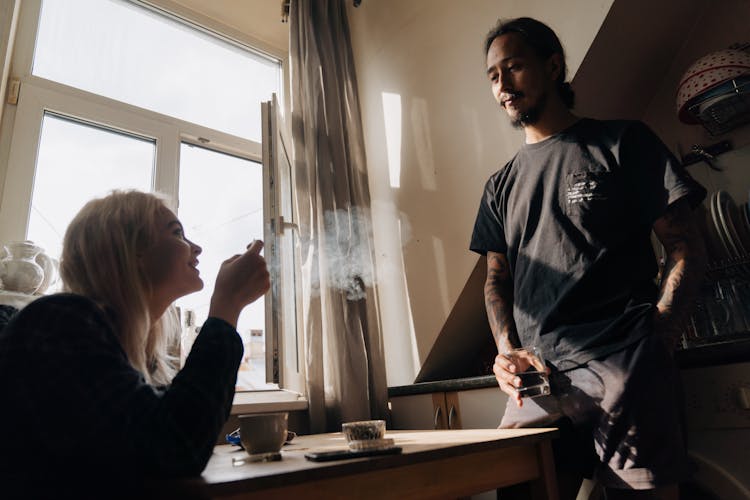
(685, 266)
(498, 298)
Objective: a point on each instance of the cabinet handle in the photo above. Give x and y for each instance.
(451, 416)
(437, 418)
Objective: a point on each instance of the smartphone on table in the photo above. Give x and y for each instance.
(327, 456)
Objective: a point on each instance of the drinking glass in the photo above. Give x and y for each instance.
(532, 371)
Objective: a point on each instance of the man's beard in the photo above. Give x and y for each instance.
(531, 115)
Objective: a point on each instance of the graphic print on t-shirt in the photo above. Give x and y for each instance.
(583, 188)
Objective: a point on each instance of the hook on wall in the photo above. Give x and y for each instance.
(706, 153)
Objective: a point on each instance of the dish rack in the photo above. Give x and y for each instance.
(722, 310)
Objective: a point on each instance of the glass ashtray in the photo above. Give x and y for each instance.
(363, 430)
(370, 444)
(273, 456)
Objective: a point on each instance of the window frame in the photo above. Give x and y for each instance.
(21, 131)
(284, 344)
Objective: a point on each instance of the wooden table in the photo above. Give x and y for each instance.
(434, 464)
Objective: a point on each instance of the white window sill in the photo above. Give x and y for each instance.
(267, 401)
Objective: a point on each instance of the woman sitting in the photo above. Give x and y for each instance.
(87, 386)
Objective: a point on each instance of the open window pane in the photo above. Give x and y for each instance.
(221, 208)
(126, 52)
(288, 245)
(78, 162)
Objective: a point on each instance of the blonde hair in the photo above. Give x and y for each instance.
(100, 260)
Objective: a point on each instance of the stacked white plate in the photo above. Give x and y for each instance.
(728, 226)
(725, 228)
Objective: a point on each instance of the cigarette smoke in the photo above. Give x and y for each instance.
(346, 251)
(346, 246)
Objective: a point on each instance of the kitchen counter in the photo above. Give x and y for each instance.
(458, 384)
(732, 350)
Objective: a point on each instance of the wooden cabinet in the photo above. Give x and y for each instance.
(480, 408)
(445, 414)
(414, 411)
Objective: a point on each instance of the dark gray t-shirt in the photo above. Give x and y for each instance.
(573, 214)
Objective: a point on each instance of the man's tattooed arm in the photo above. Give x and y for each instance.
(683, 271)
(498, 298)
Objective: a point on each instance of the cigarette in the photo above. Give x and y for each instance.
(257, 250)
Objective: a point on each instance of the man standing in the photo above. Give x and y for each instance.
(566, 226)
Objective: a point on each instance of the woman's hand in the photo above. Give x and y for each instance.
(242, 279)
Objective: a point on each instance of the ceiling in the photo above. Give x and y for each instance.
(260, 19)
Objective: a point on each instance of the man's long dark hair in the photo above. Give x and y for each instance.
(542, 40)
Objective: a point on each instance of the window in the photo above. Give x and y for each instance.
(117, 94)
(226, 220)
(70, 150)
(126, 52)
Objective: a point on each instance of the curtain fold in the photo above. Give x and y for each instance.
(345, 367)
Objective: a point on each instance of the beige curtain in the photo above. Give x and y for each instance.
(344, 348)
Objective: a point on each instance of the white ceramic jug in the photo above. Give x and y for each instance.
(50, 267)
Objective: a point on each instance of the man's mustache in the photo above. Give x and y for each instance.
(510, 95)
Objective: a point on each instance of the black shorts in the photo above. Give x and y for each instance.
(620, 418)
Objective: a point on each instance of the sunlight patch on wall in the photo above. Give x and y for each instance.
(420, 121)
(441, 262)
(392, 232)
(392, 118)
(405, 232)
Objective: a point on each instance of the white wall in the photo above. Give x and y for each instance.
(426, 58)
